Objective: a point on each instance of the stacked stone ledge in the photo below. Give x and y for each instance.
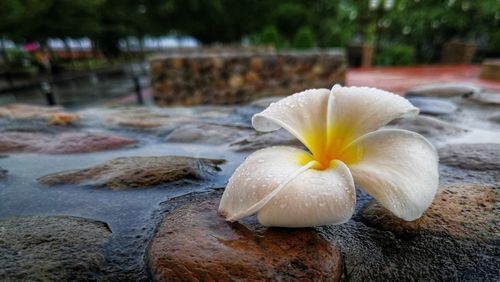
(241, 77)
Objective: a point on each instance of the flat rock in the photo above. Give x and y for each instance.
(149, 121)
(433, 106)
(136, 172)
(266, 102)
(495, 118)
(486, 98)
(443, 90)
(143, 118)
(369, 253)
(193, 243)
(63, 143)
(372, 254)
(461, 211)
(3, 173)
(429, 126)
(53, 115)
(206, 134)
(259, 140)
(472, 156)
(52, 248)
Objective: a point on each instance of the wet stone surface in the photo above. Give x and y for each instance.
(429, 127)
(52, 248)
(137, 172)
(371, 254)
(3, 173)
(63, 143)
(194, 243)
(438, 247)
(482, 157)
(486, 97)
(461, 211)
(495, 118)
(457, 239)
(444, 90)
(50, 115)
(433, 106)
(258, 141)
(211, 134)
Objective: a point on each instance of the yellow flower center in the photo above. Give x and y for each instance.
(332, 146)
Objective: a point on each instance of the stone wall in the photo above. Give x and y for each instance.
(240, 77)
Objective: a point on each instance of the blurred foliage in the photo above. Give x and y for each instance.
(270, 36)
(304, 39)
(424, 25)
(18, 58)
(397, 55)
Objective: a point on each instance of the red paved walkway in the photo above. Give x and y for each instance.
(399, 79)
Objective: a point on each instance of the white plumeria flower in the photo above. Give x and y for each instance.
(290, 187)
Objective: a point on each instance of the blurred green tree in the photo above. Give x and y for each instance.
(304, 38)
(423, 24)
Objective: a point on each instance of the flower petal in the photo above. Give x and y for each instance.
(257, 177)
(399, 168)
(356, 111)
(308, 197)
(302, 114)
(314, 198)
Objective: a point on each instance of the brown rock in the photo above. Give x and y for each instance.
(193, 243)
(462, 211)
(136, 172)
(236, 81)
(472, 156)
(64, 143)
(256, 64)
(206, 134)
(54, 115)
(239, 77)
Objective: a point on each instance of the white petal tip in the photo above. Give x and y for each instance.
(263, 123)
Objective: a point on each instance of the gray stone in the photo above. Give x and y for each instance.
(145, 119)
(472, 156)
(136, 172)
(486, 98)
(371, 254)
(444, 90)
(3, 173)
(52, 248)
(206, 134)
(433, 106)
(262, 140)
(495, 118)
(265, 102)
(429, 127)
